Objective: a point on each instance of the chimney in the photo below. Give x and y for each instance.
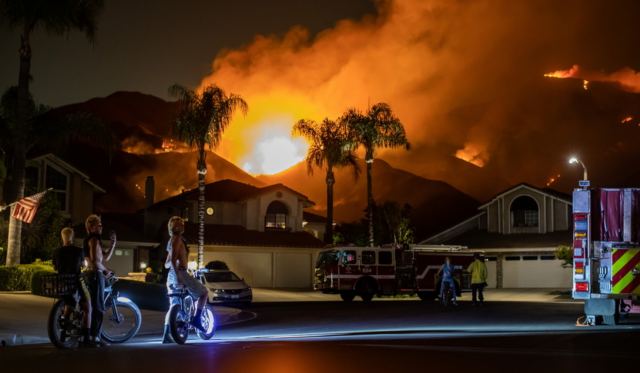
(149, 190)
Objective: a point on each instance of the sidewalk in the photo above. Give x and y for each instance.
(23, 318)
(496, 295)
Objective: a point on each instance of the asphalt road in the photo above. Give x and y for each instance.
(377, 337)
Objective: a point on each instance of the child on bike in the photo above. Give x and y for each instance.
(446, 271)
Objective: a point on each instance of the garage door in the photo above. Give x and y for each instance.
(292, 270)
(535, 271)
(255, 268)
(491, 272)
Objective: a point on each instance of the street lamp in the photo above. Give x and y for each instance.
(574, 160)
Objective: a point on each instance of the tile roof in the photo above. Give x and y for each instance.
(228, 190)
(313, 218)
(481, 239)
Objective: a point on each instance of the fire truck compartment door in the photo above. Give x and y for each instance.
(625, 271)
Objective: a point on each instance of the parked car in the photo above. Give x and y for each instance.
(226, 287)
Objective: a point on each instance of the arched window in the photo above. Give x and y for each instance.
(276, 217)
(524, 212)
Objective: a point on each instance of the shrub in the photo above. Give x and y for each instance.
(19, 278)
(36, 280)
(565, 253)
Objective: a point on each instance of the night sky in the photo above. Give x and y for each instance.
(465, 77)
(145, 45)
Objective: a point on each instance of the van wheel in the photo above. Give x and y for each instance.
(347, 296)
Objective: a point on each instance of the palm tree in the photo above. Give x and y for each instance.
(378, 128)
(202, 118)
(56, 17)
(330, 146)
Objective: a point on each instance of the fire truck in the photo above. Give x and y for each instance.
(369, 271)
(606, 252)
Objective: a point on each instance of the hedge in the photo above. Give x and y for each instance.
(21, 277)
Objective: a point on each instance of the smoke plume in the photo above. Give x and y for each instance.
(465, 77)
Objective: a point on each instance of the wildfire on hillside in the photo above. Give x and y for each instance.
(473, 154)
(626, 78)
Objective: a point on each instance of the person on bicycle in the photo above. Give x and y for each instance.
(96, 256)
(68, 260)
(446, 271)
(177, 259)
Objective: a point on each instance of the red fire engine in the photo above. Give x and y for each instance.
(606, 251)
(369, 271)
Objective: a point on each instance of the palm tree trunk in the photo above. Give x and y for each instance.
(370, 200)
(202, 171)
(328, 231)
(14, 242)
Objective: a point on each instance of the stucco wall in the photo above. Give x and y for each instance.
(291, 200)
(493, 218)
(552, 213)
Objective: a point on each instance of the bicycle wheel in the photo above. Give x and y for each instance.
(122, 321)
(58, 335)
(179, 324)
(208, 322)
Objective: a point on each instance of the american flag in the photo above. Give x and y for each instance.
(26, 208)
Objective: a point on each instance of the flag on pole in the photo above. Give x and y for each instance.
(26, 208)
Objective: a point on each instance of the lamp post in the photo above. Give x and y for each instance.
(584, 183)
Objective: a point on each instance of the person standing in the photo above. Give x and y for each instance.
(68, 260)
(96, 256)
(478, 270)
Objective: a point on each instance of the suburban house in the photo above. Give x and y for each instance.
(262, 233)
(518, 230)
(72, 188)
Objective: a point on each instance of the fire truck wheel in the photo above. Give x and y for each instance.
(347, 296)
(366, 289)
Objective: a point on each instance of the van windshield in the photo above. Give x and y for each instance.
(327, 258)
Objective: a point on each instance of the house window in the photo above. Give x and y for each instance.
(58, 181)
(524, 212)
(276, 217)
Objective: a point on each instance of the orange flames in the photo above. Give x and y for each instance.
(552, 180)
(626, 78)
(473, 154)
(564, 74)
(626, 119)
(301, 76)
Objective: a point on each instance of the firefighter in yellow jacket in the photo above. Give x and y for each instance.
(478, 272)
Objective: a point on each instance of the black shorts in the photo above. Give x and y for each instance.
(82, 293)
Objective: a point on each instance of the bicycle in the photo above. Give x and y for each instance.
(446, 297)
(122, 317)
(181, 316)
